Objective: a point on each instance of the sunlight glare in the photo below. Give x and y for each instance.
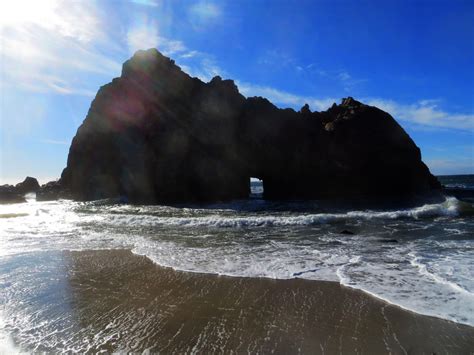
(20, 12)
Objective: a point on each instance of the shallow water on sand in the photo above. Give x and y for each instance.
(419, 258)
(115, 301)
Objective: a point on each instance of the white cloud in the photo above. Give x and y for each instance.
(341, 77)
(348, 81)
(278, 59)
(284, 98)
(170, 47)
(142, 36)
(47, 83)
(47, 45)
(425, 113)
(146, 3)
(190, 54)
(75, 20)
(195, 63)
(206, 10)
(145, 36)
(344, 76)
(204, 13)
(205, 69)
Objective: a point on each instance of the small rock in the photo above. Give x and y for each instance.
(305, 109)
(345, 231)
(329, 127)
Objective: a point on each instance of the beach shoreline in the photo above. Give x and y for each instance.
(114, 300)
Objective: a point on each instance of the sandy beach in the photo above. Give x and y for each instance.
(113, 300)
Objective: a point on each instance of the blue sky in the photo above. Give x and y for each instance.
(414, 59)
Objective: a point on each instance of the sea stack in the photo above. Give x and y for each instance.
(16, 194)
(157, 135)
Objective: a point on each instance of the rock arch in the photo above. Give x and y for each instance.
(157, 135)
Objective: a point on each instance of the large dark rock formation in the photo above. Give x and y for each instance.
(157, 135)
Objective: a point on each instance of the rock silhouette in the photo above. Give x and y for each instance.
(16, 194)
(52, 190)
(30, 184)
(157, 135)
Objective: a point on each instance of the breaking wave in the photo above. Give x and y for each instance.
(418, 258)
(451, 207)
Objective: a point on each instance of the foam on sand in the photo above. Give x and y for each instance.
(171, 311)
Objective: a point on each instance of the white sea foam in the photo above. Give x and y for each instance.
(7, 346)
(423, 270)
(255, 241)
(450, 207)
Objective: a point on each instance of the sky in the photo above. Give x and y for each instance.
(413, 59)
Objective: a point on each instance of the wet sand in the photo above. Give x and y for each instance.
(117, 301)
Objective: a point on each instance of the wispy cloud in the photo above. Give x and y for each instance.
(278, 59)
(142, 36)
(190, 54)
(150, 3)
(284, 98)
(344, 76)
(47, 45)
(52, 15)
(203, 67)
(204, 13)
(53, 141)
(145, 35)
(425, 114)
(281, 60)
(348, 81)
(195, 63)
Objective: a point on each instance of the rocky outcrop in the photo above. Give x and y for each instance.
(52, 190)
(30, 184)
(9, 194)
(16, 194)
(157, 135)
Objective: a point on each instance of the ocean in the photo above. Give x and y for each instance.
(419, 258)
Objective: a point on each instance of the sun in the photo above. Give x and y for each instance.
(15, 13)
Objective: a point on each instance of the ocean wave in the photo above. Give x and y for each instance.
(233, 241)
(451, 207)
(460, 186)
